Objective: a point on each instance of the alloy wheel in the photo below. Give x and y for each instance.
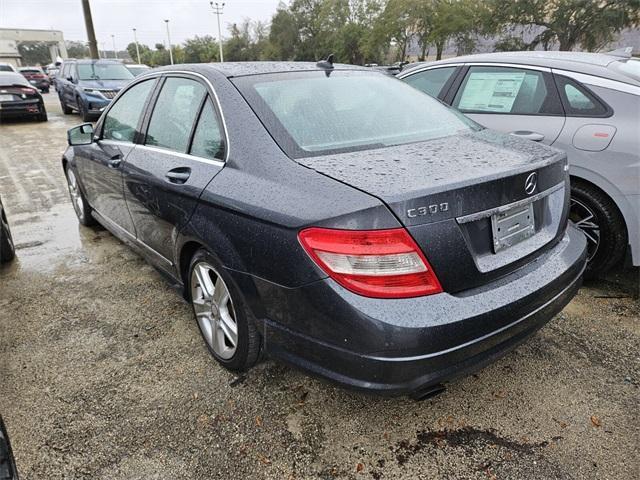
(585, 219)
(214, 310)
(74, 192)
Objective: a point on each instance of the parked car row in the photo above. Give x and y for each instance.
(583, 103)
(333, 217)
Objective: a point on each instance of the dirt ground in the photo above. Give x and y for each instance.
(103, 373)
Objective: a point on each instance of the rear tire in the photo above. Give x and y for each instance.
(45, 90)
(7, 248)
(222, 314)
(600, 220)
(42, 116)
(78, 200)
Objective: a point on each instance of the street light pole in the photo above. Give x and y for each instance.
(217, 9)
(169, 40)
(135, 38)
(115, 52)
(91, 34)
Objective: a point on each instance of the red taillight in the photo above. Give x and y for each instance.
(28, 91)
(373, 263)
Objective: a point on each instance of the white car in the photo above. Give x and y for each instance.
(7, 67)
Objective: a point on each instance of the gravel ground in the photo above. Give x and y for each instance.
(103, 374)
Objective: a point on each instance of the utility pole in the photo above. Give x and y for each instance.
(135, 38)
(169, 40)
(217, 10)
(91, 34)
(115, 52)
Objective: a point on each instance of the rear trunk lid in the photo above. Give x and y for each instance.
(479, 204)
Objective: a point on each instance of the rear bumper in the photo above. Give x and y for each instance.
(21, 109)
(410, 345)
(41, 84)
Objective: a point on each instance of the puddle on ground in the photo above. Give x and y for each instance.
(52, 239)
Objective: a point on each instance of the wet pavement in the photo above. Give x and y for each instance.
(103, 373)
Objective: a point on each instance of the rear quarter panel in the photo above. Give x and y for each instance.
(615, 170)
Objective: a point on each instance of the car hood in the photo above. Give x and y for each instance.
(103, 84)
(411, 175)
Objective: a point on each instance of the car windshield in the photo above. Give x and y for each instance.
(311, 113)
(630, 68)
(5, 68)
(103, 71)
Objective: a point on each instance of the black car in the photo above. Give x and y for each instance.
(8, 470)
(333, 217)
(36, 77)
(7, 249)
(20, 99)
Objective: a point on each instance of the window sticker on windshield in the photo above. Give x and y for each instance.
(491, 91)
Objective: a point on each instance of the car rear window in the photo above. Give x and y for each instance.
(312, 113)
(629, 68)
(30, 70)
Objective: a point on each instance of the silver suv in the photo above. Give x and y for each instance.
(587, 104)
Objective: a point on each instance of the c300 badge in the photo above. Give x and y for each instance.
(428, 210)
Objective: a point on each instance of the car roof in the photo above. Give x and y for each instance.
(29, 68)
(11, 78)
(239, 69)
(580, 62)
(93, 60)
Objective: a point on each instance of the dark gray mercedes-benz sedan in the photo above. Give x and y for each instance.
(333, 217)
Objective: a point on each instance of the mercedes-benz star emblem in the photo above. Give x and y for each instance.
(530, 183)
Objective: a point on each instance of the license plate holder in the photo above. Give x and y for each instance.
(512, 226)
(6, 98)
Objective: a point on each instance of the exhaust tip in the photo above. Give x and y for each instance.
(430, 392)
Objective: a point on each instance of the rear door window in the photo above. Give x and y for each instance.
(175, 113)
(431, 81)
(121, 122)
(207, 139)
(506, 90)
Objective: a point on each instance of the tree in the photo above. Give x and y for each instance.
(455, 19)
(201, 49)
(34, 53)
(567, 24)
(77, 49)
(144, 51)
(284, 39)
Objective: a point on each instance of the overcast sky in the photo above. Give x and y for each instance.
(118, 17)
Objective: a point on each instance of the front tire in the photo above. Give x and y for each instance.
(223, 318)
(84, 111)
(78, 200)
(66, 109)
(598, 217)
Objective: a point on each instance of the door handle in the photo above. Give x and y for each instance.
(536, 137)
(178, 175)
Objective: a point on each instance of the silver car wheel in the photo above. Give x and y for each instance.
(584, 217)
(214, 311)
(76, 195)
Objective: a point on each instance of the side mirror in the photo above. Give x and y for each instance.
(80, 135)
(70, 79)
